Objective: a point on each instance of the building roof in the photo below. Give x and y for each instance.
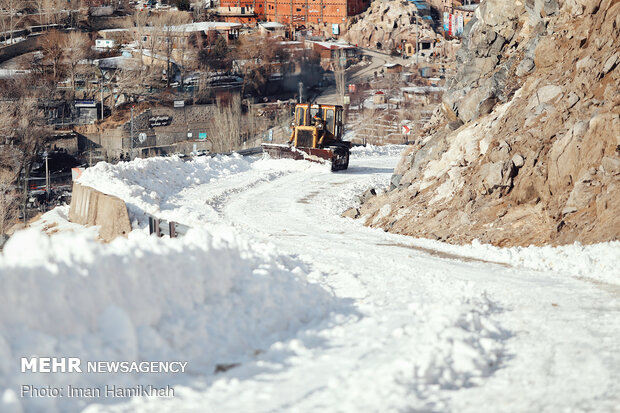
(188, 28)
(205, 26)
(468, 7)
(118, 62)
(272, 25)
(334, 45)
(422, 89)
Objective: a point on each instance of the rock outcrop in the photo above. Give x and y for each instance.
(526, 148)
(387, 23)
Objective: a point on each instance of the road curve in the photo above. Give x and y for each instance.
(553, 335)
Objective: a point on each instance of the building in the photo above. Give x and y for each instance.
(329, 52)
(423, 95)
(237, 14)
(393, 68)
(105, 44)
(331, 15)
(272, 29)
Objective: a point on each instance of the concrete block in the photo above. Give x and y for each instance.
(92, 207)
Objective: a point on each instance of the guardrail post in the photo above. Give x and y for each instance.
(172, 227)
(156, 227)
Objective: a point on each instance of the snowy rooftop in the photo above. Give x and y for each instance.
(272, 25)
(189, 27)
(422, 89)
(334, 45)
(468, 7)
(122, 62)
(206, 26)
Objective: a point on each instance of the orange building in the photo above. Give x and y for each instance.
(302, 12)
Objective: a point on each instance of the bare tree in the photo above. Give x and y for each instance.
(76, 48)
(226, 124)
(129, 83)
(25, 132)
(339, 67)
(187, 55)
(8, 202)
(53, 51)
(170, 27)
(258, 58)
(9, 19)
(204, 88)
(134, 80)
(138, 31)
(57, 9)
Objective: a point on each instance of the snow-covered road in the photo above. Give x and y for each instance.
(430, 333)
(412, 325)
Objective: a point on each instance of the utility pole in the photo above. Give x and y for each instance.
(417, 40)
(101, 97)
(47, 177)
(301, 91)
(102, 77)
(131, 137)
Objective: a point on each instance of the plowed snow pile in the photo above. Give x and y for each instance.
(205, 299)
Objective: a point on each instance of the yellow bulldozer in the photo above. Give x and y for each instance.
(317, 136)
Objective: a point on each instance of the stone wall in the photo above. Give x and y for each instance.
(29, 45)
(160, 139)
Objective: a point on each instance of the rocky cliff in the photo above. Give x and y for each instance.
(387, 23)
(526, 147)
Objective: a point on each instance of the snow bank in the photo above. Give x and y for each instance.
(597, 262)
(207, 298)
(173, 189)
(374, 150)
(149, 185)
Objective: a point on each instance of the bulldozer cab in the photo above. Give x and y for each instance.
(330, 114)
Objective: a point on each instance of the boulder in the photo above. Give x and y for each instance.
(352, 213)
(548, 93)
(518, 160)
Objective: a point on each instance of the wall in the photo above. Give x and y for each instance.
(28, 45)
(304, 12)
(159, 139)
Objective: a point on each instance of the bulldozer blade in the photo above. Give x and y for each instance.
(290, 152)
(338, 158)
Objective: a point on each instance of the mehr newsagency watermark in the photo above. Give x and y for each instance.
(52, 365)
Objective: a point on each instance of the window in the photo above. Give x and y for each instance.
(299, 117)
(298, 9)
(338, 132)
(329, 120)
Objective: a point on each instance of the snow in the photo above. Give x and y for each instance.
(373, 150)
(207, 298)
(316, 312)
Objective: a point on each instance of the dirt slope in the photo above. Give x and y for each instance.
(526, 148)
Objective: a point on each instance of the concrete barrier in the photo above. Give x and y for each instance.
(91, 207)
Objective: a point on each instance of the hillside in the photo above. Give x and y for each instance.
(525, 149)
